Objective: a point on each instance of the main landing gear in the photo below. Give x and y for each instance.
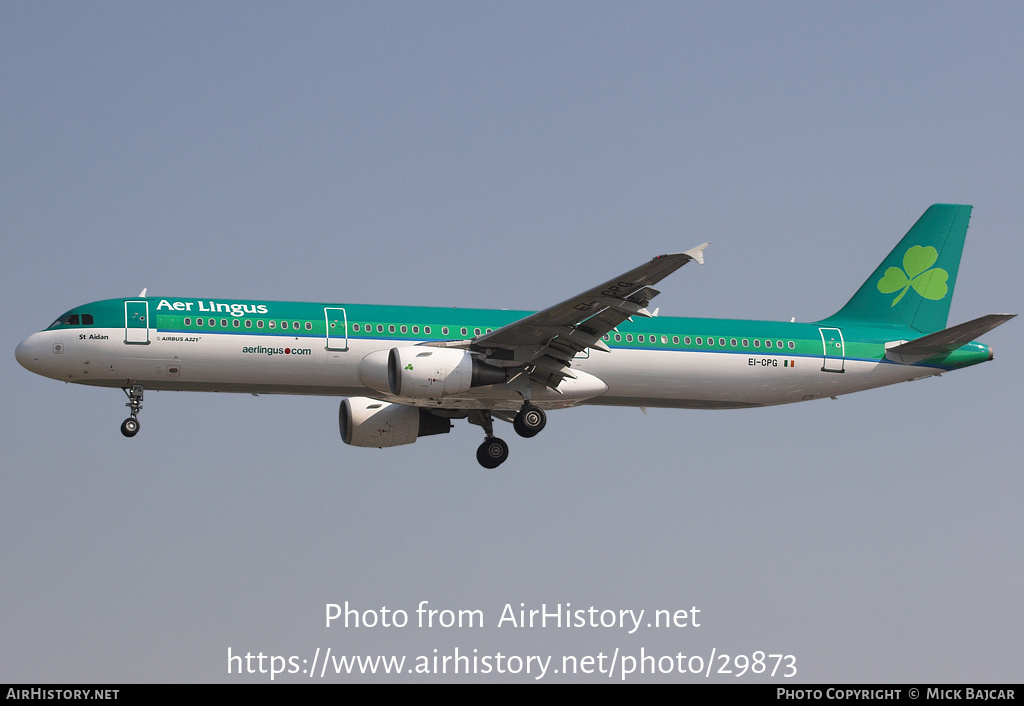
(528, 422)
(130, 426)
(492, 453)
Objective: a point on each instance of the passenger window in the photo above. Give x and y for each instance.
(444, 331)
(380, 328)
(675, 340)
(248, 323)
(426, 330)
(295, 325)
(686, 340)
(732, 342)
(355, 327)
(779, 344)
(464, 331)
(415, 329)
(404, 329)
(757, 343)
(700, 341)
(629, 338)
(223, 323)
(273, 324)
(745, 343)
(721, 342)
(259, 324)
(391, 328)
(767, 344)
(235, 323)
(640, 338)
(618, 338)
(188, 321)
(792, 345)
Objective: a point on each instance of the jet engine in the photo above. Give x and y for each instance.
(372, 423)
(425, 372)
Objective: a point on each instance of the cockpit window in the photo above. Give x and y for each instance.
(73, 320)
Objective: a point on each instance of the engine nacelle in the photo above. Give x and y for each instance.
(426, 372)
(366, 422)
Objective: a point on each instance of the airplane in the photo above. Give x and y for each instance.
(409, 371)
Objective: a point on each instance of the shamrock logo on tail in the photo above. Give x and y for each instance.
(917, 272)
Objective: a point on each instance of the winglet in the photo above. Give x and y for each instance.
(697, 253)
(142, 294)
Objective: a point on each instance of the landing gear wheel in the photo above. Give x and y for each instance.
(492, 453)
(130, 426)
(530, 420)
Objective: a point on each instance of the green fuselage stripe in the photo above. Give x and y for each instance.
(417, 324)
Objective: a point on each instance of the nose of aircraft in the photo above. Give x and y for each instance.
(27, 352)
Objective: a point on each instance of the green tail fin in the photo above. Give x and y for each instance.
(914, 285)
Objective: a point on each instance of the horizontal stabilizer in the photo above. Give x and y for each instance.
(944, 341)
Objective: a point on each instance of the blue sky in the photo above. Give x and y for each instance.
(463, 154)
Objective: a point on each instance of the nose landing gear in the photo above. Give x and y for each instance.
(130, 426)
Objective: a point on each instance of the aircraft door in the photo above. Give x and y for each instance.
(834, 360)
(136, 322)
(337, 329)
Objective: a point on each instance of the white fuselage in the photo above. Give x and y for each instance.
(236, 362)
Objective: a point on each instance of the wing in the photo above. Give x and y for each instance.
(545, 343)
